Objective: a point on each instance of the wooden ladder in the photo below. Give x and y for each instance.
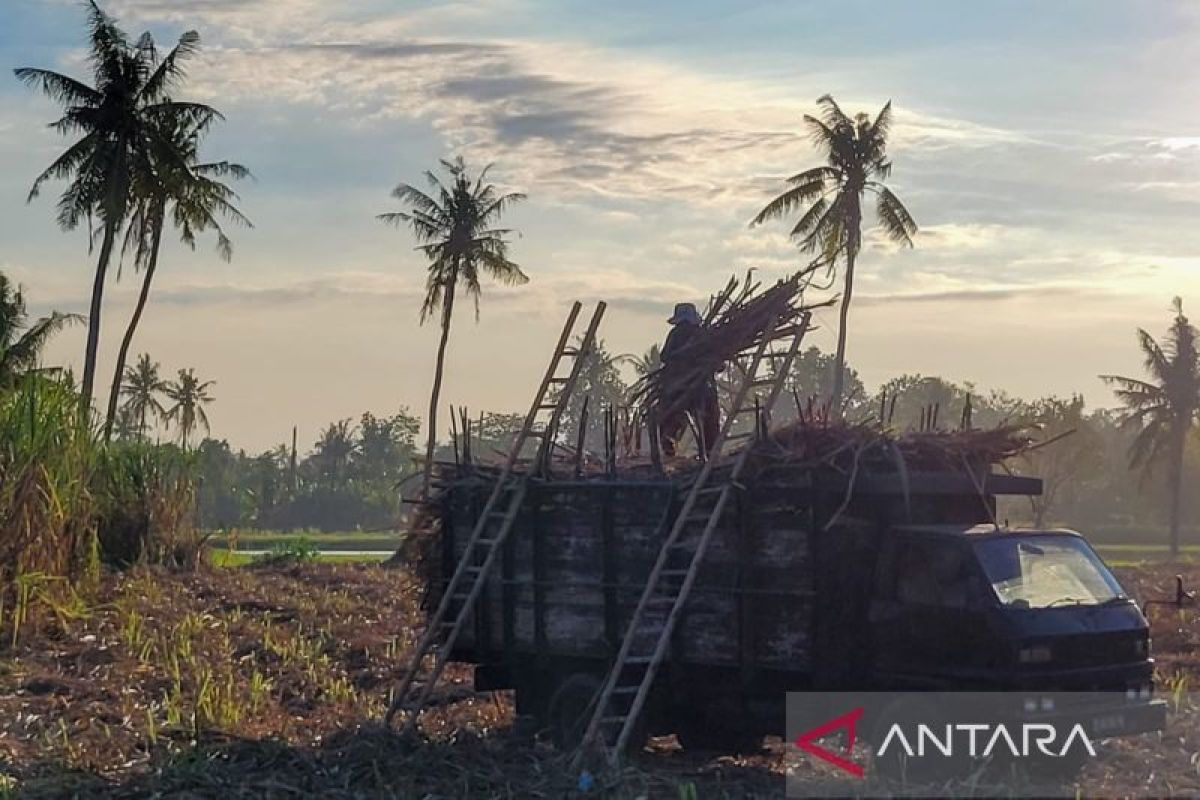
(648, 636)
(496, 520)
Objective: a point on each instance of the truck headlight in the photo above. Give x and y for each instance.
(1038, 654)
(1034, 704)
(1142, 691)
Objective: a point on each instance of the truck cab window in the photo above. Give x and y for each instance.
(932, 574)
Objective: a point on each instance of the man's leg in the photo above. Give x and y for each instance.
(710, 420)
(668, 433)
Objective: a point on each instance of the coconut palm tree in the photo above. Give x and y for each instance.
(831, 195)
(453, 226)
(189, 396)
(119, 121)
(141, 391)
(21, 344)
(197, 200)
(1164, 408)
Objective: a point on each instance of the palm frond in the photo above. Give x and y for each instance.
(170, 70)
(883, 123)
(831, 113)
(807, 186)
(897, 223)
(60, 88)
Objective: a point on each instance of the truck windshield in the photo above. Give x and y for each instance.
(1044, 571)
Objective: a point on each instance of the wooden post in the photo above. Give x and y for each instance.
(581, 439)
(652, 433)
(612, 631)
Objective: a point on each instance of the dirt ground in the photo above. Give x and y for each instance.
(269, 682)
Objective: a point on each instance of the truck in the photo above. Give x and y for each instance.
(815, 579)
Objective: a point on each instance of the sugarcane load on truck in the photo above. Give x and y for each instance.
(687, 596)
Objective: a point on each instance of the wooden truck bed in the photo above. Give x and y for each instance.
(576, 563)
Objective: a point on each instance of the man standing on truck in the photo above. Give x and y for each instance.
(703, 407)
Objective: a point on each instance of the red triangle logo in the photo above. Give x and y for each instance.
(849, 721)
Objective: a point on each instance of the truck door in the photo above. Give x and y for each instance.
(927, 622)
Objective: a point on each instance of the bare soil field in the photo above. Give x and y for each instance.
(271, 681)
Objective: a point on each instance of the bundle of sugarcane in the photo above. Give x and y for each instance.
(736, 320)
(876, 447)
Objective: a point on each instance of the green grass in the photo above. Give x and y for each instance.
(1130, 555)
(227, 558)
(335, 540)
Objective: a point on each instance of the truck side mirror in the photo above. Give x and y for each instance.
(1182, 598)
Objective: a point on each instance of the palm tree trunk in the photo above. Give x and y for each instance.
(93, 336)
(839, 367)
(447, 310)
(123, 353)
(1178, 439)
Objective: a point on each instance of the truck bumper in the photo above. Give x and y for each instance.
(1109, 720)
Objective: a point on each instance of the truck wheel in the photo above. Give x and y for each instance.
(569, 710)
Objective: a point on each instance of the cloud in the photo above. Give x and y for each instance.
(982, 295)
(567, 119)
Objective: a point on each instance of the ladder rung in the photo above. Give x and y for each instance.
(673, 572)
(559, 380)
(626, 689)
(611, 720)
(488, 542)
(546, 406)
(639, 660)
(569, 351)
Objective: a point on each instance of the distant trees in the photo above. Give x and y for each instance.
(831, 195)
(1163, 409)
(455, 227)
(601, 384)
(122, 123)
(21, 343)
(188, 395)
(350, 479)
(813, 377)
(1071, 450)
(142, 389)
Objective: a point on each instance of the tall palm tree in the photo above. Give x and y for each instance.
(141, 390)
(189, 396)
(21, 344)
(197, 199)
(453, 226)
(119, 121)
(1165, 407)
(855, 152)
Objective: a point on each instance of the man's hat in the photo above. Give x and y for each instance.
(685, 312)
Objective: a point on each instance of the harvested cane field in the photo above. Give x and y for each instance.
(270, 682)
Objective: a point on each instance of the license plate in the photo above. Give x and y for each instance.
(1108, 723)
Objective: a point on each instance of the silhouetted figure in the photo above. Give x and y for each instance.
(703, 407)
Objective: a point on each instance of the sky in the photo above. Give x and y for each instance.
(1049, 151)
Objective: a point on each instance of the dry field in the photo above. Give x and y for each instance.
(269, 682)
